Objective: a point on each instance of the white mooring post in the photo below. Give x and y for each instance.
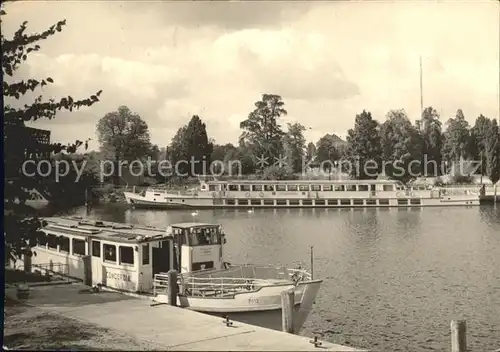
(287, 306)
(458, 336)
(172, 288)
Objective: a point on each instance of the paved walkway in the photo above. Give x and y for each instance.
(171, 327)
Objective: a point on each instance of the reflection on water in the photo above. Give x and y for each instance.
(394, 278)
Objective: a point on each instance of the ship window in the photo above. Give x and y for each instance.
(157, 194)
(145, 254)
(52, 241)
(213, 188)
(340, 188)
(109, 252)
(281, 188)
(304, 187)
(292, 187)
(126, 255)
(315, 187)
(96, 249)
(388, 188)
(268, 188)
(351, 188)
(64, 244)
(327, 187)
(78, 246)
(233, 187)
(203, 236)
(256, 187)
(245, 188)
(363, 188)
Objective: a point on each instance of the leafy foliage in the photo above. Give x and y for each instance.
(430, 128)
(191, 149)
(261, 130)
(364, 147)
(492, 147)
(123, 135)
(400, 142)
(294, 144)
(18, 229)
(456, 138)
(327, 151)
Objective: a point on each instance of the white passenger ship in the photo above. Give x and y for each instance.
(137, 258)
(304, 194)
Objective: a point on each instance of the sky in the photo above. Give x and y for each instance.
(168, 61)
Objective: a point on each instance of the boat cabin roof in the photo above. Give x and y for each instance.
(105, 230)
(187, 225)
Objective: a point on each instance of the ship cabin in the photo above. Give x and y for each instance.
(304, 186)
(124, 256)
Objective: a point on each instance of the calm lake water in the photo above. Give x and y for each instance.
(393, 279)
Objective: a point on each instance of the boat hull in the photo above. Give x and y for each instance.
(198, 202)
(265, 299)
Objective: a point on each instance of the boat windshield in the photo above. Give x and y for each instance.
(203, 236)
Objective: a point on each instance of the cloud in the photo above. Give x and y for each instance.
(328, 60)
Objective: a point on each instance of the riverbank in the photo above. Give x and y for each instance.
(71, 317)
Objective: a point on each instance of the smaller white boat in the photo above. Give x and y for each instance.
(239, 288)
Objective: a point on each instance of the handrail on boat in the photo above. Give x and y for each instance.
(227, 286)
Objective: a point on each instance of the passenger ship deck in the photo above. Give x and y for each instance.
(304, 194)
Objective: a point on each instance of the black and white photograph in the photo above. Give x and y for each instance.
(251, 175)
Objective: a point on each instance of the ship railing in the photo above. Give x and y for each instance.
(187, 192)
(227, 282)
(259, 272)
(56, 271)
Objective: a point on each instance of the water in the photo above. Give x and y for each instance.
(394, 278)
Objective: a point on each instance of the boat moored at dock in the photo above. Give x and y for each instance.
(304, 194)
(137, 258)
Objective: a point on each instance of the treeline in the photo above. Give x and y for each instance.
(395, 147)
(392, 145)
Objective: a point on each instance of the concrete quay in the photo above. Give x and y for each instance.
(169, 328)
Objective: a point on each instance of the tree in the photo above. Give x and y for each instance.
(456, 138)
(178, 151)
(261, 129)
(311, 152)
(479, 137)
(294, 144)
(327, 151)
(401, 149)
(430, 128)
(124, 135)
(224, 155)
(198, 146)
(364, 148)
(21, 233)
(492, 148)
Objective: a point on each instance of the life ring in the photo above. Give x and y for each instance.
(261, 194)
(400, 194)
(274, 193)
(247, 194)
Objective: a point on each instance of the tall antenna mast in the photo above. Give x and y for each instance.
(421, 90)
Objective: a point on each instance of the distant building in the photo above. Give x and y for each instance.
(23, 143)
